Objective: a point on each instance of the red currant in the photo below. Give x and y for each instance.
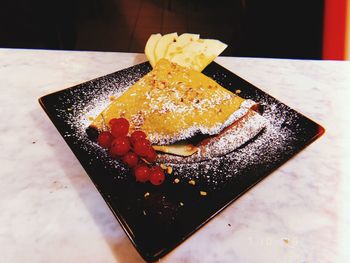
(105, 139)
(156, 176)
(137, 135)
(151, 155)
(112, 121)
(120, 146)
(141, 147)
(131, 159)
(142, 173)
(119, 127)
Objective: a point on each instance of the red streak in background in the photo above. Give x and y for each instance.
(334, 29)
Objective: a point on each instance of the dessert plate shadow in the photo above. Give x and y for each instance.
(157, 219)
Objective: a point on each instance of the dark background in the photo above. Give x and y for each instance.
(258, 28)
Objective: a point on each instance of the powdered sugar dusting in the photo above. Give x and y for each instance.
(184, 107)
(227, 141)
(264, 150)
(198, 129)
(85, 102)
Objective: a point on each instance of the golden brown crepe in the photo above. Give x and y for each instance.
(173, 103)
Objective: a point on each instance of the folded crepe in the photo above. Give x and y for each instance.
(173, 105)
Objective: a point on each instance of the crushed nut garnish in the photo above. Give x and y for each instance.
(192, 182)
(203, 193)
(238, 91)
(169, 170)
(146, 194)
(177, 180)
(112, 98)
(181, 204)
(286, 240)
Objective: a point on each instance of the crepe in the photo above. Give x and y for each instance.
(173, 103)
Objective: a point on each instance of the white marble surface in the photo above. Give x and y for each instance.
(51, 212)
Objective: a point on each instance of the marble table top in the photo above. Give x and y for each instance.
(51, 212)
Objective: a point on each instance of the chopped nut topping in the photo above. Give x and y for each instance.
(112, 98)
(181, 204)
(238, 91)
(203, 193)
(146, 194)
(192, 182)
(169, 170)
(177, 180)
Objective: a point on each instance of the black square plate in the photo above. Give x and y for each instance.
(158, 222)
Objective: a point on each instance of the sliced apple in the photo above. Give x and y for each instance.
(199, 53)
(187, 50)
(181, 42)
(163, 44)
(150, 46)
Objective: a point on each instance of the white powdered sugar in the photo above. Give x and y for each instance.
(265, 148)
(199, 129)
(224, 143)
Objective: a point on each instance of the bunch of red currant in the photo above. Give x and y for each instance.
(134, 150)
